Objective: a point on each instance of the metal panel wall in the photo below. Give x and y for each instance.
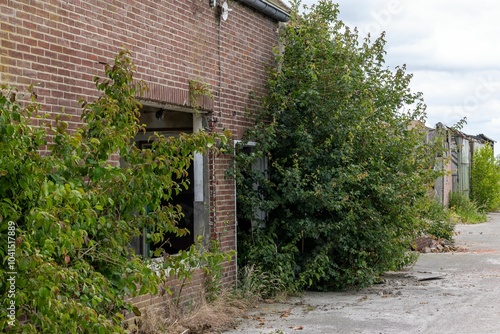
(463, 166)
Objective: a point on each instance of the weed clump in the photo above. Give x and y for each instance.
(465, 210)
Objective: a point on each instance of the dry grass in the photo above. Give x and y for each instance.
(208, 318)
(213, 317)
(216, 316)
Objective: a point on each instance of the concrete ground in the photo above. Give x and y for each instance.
(457, 292)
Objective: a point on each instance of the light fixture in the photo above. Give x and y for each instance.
(224, 11)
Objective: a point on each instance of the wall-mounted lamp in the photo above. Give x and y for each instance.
(224, 11)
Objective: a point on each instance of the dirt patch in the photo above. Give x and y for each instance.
(484, 251)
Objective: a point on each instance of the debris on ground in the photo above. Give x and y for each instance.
(207, 318)
(428, 244)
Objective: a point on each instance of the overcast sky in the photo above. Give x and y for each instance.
(451, 47)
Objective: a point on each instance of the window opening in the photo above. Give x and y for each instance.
(246, 223)
(170, 123)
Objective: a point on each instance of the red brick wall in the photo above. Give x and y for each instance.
(187, 295)
(60, 45)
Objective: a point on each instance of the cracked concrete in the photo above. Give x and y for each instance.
(457, 292)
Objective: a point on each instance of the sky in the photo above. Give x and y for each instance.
(452, 48)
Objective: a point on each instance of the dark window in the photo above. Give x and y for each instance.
(170, 123)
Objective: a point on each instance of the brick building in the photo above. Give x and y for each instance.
(60, 45)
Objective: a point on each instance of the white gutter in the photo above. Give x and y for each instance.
(268, 9)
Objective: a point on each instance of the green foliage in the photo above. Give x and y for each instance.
(442, 229)
(197, 90)
(254, 285)
(75, 212)
(485, 179)
(466, 210)
(347, 154)
(268, 261)
(212, 260)
(437, 220)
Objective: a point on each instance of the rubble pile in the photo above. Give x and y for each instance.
(428, 244)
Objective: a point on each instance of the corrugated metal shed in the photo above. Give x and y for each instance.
(461, 157)
(460, 148)
(443, 185)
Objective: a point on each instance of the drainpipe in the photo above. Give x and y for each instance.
(269, 9)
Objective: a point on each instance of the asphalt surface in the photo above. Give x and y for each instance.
(456, 292)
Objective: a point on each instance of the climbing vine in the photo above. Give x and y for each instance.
(197, 90)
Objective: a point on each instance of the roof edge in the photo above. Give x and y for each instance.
(269, 9)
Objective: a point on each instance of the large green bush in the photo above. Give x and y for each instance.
(68, 215)
(347, 156)
(485, 179)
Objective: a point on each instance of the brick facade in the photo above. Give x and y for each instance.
(60, 45)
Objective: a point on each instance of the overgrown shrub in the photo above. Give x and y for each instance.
(468, 211)
(267, 264)
(437, 220)
(347, 158)
(441, 229)
(71, 214)
(485, 179)
(255, 284)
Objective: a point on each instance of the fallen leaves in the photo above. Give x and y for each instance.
(286, 313)
(282, 314)
(297, 328)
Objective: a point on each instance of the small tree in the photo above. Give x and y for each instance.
(68, 215)
(485, 179)
(349, 162)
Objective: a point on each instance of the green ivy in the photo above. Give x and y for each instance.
(75, 212)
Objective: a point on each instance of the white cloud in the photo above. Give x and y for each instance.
(452, 49)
